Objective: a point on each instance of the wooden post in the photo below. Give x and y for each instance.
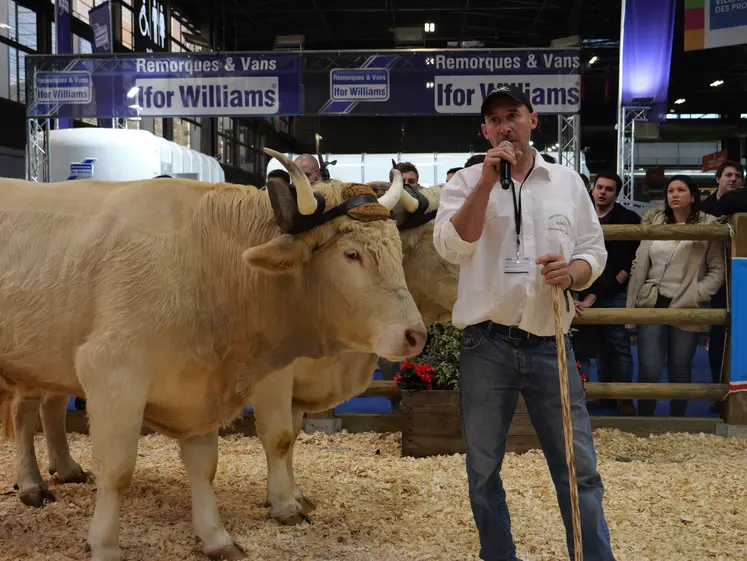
(735, 412)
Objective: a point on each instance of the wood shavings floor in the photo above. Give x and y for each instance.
(673, 497)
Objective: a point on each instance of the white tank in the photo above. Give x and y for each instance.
(125, 155)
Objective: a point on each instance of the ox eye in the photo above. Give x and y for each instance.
(352, 255)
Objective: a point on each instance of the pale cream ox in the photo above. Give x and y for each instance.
(280, 400)
(314, 385)
(166, 301)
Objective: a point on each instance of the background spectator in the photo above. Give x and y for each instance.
(474, 159)
(728, 178)
(673, 274)
(409, 173)
(450, 173)
(279, 175)
(612, 348)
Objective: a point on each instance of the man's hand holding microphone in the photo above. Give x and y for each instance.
(502, 156)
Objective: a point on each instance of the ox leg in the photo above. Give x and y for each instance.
(116, 387)
(274, 421)
(53, 414)
(33, 490)
(200, 457)
(305, 503)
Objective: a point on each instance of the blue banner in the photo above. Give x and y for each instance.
(437, 83)
(100, 19)
(738, 372)
(726, 14)
(63, 20)
(165, 85)
(249, 84)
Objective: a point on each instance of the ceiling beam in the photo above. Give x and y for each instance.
(385, 10)
(332, 35)
(250, 17)
(464, 22)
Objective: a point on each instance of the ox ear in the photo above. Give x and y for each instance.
(284, 254)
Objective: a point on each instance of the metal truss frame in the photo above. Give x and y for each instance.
(37, 142)
(569, 141)
(628, 116)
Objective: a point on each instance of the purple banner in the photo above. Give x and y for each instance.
(646, 54)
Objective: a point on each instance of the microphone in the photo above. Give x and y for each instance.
(506, 180)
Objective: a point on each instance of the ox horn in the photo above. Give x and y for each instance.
(307, 203)
(393, 194)
(410, 203)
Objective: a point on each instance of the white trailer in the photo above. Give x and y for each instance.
(125, 155)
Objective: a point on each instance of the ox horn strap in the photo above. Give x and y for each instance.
(305, 223)
(419, 217)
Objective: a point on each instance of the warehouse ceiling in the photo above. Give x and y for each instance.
(380, 24)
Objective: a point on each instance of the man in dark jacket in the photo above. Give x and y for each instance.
(729, 176)
(614, 358)
(728, 199)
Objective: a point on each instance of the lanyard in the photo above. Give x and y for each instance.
(517, 209)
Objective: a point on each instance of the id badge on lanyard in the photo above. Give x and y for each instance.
(519, 264)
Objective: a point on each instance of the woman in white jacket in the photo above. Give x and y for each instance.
(673, 274)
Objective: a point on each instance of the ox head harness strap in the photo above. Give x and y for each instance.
(419, 217)
(284, 201)
(303, 223)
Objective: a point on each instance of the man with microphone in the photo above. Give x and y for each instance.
(516, 225)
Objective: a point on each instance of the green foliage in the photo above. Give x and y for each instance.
(442, 352)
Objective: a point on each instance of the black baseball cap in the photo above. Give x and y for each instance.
(517, 94)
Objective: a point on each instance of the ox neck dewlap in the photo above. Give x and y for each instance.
(360, 199)
(419, 217)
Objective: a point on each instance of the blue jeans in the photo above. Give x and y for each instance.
(615, 359)
(493, 370)
(658, 344)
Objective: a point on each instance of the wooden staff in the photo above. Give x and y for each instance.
(565, 401)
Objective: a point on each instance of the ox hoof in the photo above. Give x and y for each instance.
(306, 505)
(292, 518)
(37, 497)
(233, 553)
(113, 554)
(75, 475)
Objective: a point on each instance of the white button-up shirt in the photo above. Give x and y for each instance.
(558, 216)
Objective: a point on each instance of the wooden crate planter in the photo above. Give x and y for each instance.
(431, 425)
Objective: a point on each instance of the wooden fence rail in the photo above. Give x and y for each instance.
(735, 236)
(641, 316)
(607, 390)
(636, 232)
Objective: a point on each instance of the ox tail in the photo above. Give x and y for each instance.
(6, 418)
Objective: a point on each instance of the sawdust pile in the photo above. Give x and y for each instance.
(673, 497)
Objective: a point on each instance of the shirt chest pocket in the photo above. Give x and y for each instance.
(559, 226)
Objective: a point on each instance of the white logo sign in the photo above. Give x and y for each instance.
(152, 22)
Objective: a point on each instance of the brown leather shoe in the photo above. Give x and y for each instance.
(626, 407)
